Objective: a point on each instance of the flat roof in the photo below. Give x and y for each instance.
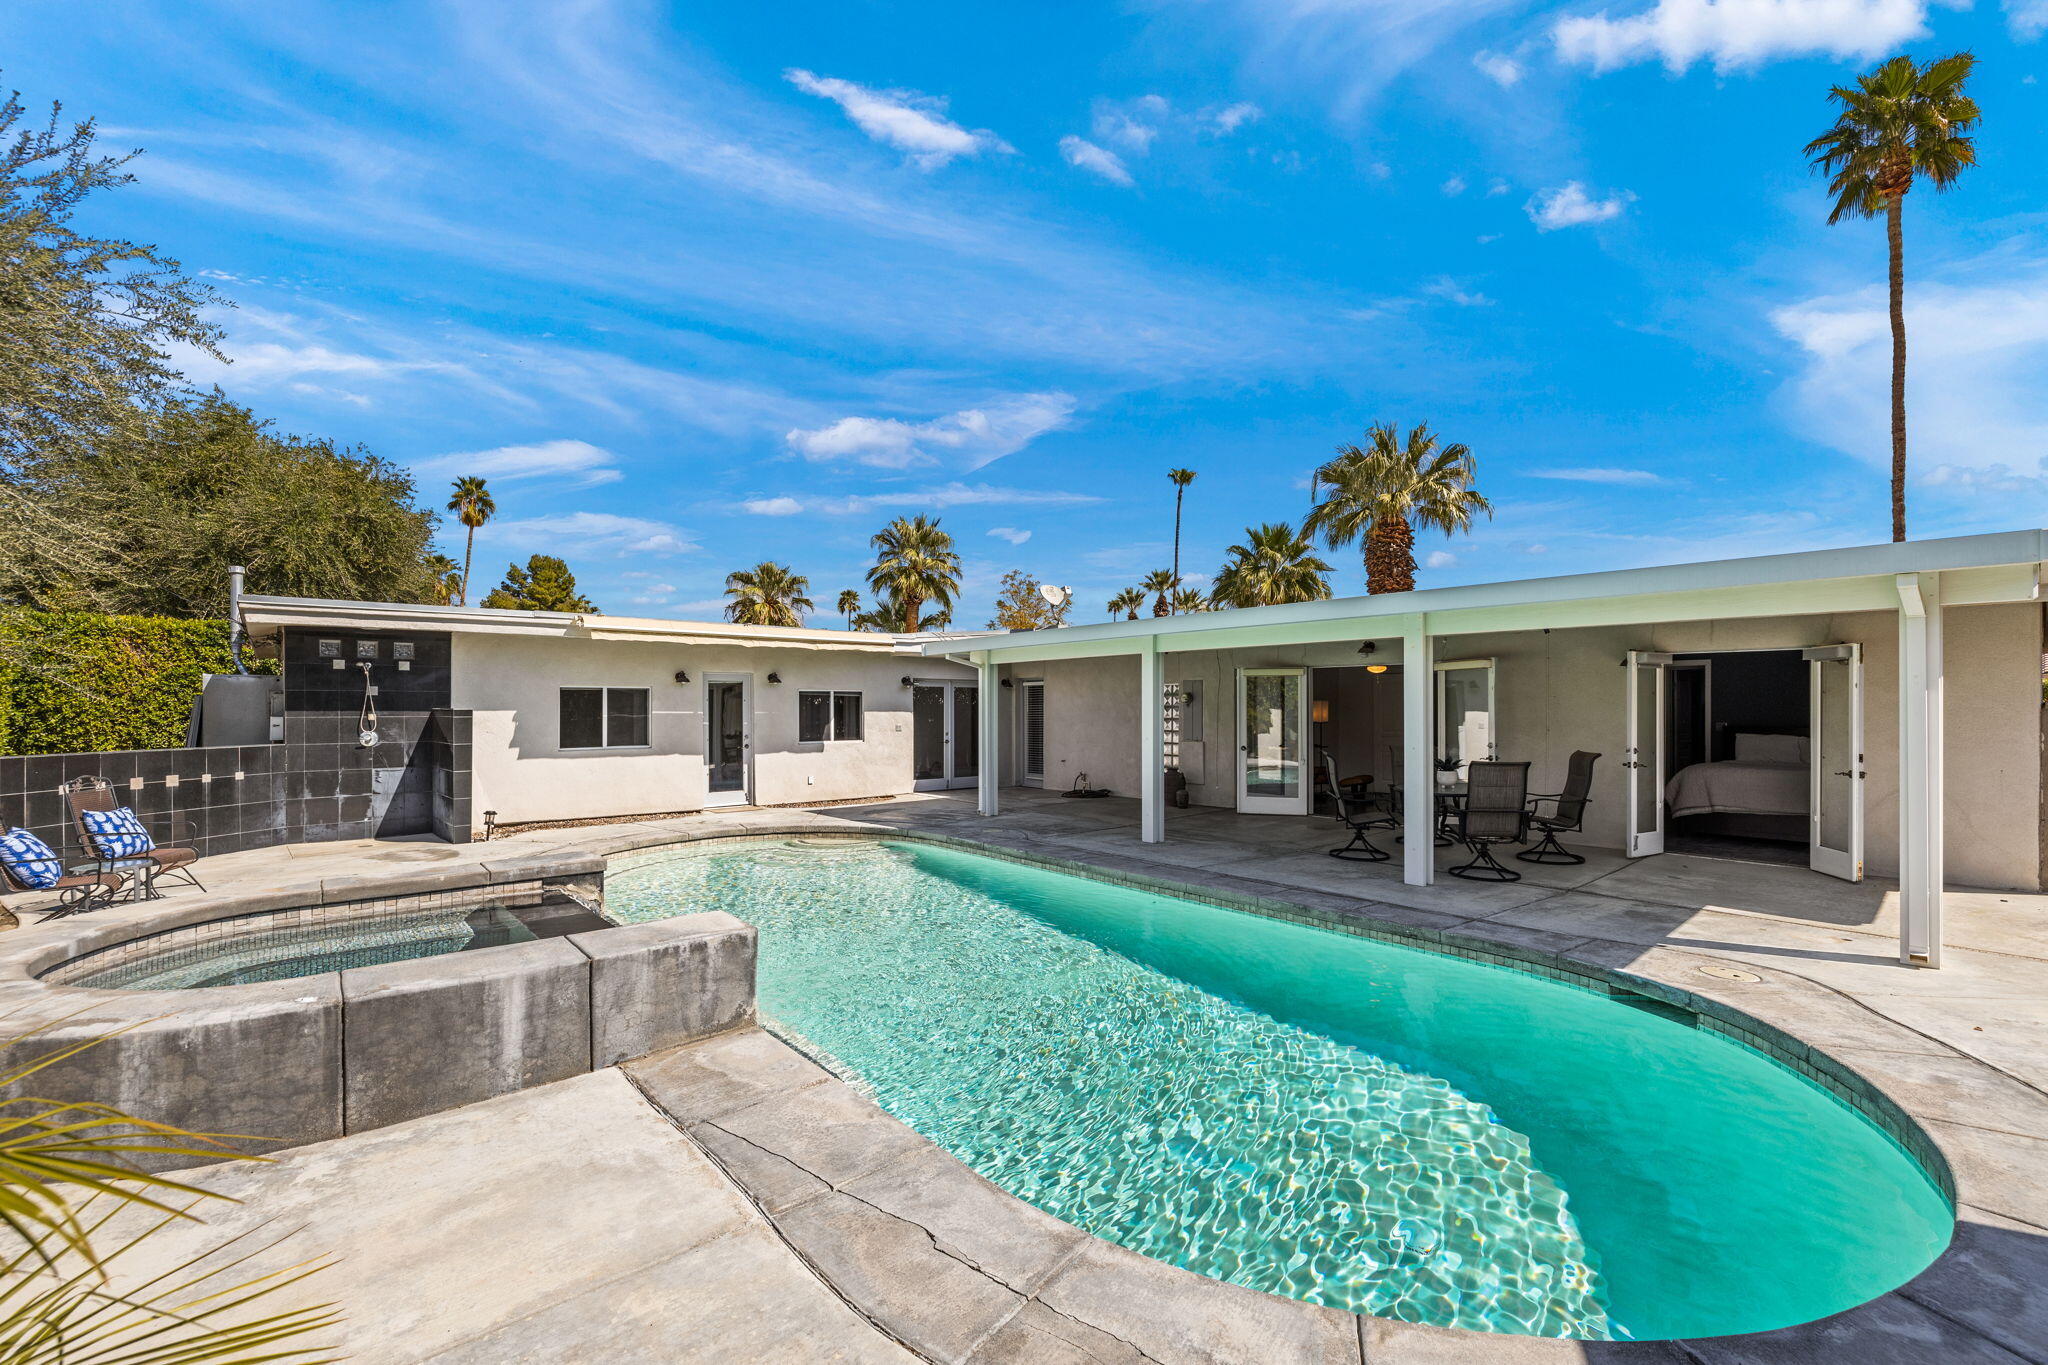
(1753, 586)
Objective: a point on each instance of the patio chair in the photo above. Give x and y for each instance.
(1567, 814)
(1356, 809)
(1496, 811)
(28, 866)
(92, 793)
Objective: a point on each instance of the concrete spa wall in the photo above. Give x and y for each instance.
(1565, 690)
(511, 684)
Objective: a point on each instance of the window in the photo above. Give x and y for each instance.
(827, 715)
(604, 718)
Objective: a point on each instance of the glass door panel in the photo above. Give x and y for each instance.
(1272, 776)
(725, 748)
(1648, 689)
(1031, 733)
(928, 734)
(966, 734)
(1835, 844)
(1464, 710)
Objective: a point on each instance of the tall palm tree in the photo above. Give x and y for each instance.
(1185, 600)
(1126, 604)
(1380, 493)
(472, 505)
(1181, 479)
(1900, 123)
(849, 605)
(915, 563)
(767, 595)
(1275, 564)
(1159, 586)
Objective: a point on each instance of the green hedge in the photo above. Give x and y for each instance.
(79, 682)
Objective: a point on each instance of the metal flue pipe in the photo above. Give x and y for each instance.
(235, 576)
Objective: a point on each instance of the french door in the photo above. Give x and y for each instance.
(1649, 676)
(1835, 758)
(1273, 775)
(945, 740)
(728, 739)
(1031, 734)
(1464, 711)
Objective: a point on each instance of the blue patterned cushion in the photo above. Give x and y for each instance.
(116, 833)
(29, 860)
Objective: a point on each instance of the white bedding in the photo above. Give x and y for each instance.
(1739, 787)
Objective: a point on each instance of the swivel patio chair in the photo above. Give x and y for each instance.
(1357, 809)
(1496, 811)
(83, 794)
(1567, 814)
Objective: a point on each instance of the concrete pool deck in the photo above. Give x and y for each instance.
(1964, 1050)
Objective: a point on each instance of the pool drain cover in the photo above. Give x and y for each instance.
(1728, 973)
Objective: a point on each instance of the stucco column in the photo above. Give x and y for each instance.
(1151, 745)
(988, 720)
(1921, 872)
(1418, 760)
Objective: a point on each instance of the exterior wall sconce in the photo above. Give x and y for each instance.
(1369, 647)
(909, 681)
(682, 676)
(775, 678)
(1008, 683)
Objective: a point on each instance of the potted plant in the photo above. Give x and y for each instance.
(1447, 771)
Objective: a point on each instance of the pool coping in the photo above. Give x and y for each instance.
(1978, 1301)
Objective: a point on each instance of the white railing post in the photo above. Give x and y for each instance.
(1418, 816)
(1151, 745)
(988, 714)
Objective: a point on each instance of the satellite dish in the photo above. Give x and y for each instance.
(1054, 595)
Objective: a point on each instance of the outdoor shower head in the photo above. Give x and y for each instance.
(366, 719)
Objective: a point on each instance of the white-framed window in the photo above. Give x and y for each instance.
(603, 718)
(827, 715)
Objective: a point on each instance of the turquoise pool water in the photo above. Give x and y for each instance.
(1340, 1120)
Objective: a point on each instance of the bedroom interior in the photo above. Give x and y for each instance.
(1739, 743)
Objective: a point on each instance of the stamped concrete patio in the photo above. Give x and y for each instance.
(730, 1201)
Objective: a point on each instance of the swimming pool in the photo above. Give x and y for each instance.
(1337, 1119)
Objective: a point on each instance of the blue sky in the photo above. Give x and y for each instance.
(699, 285)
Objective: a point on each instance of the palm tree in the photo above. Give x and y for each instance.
(1900, 122)
(849, 605)
(1381, 493)
(445, 576)
(1185, 600)
(1275, 564)
(472, 505)
(1181, 479)
(1126, 604)
(767, 595)
(915, 563)
(1159, 586)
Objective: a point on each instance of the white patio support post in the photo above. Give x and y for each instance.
(1921, 871)
(988, 712)
(1151, 745)
(1418, 762)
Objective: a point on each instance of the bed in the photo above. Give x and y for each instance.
(1764, 792)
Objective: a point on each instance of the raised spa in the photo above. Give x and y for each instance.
(1338, 1119)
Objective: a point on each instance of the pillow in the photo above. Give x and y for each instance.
(116, 833)
(1770, 748)
(29, 860)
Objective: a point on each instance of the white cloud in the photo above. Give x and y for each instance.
(1455, 186)
(967, 439)
(912, 123)
(1439, 559)
(1231, 117)
(942, 497)
(1010, 533)
(587, 465)
(1498, 67)
(1978, 334)
(1085, 155)
(589, 531)
(2027, 19)
(1445, 288)
(1497, 188)
(1570, 206)
(772, 507)
(1597, 474)
(1739, 34)
(1132, 124)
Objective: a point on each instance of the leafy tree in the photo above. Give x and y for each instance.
(849, 605)
(767, 595)
(1181, 479)
(545, 584)
(473, 505)
(1898, 124)
(1275, 564)
(915, 563)
(1159, 586)
(1126, 604)
(1020, 605)
(207, 485)
(1380, 493)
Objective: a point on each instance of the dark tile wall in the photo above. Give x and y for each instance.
(214, 800)
(449, 741)
(313, 684)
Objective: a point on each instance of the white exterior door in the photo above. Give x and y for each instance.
(945, 734)
(1835, 760)
(1648, 696)
(1465, 728)
(728, 739)
(1031, 734)
(1273, 775)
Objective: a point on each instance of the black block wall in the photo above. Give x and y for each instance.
(219, 800)
(342, 788)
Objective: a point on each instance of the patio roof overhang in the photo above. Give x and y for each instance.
(2001, 567)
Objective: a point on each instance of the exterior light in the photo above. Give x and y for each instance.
(1375, 668)
(1008, 683)
(1369, 647)
(490, 824)
(682, 676)
(775, 678)
(909, 681)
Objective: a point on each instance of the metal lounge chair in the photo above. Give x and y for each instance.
(1567, 814)
(1357, 813)
(1496, 811)
(82, 794)
(76, 892)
